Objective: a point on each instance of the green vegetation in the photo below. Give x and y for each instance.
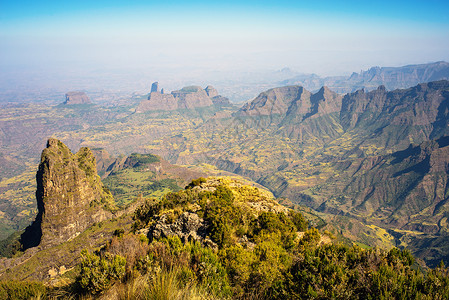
(10, 245)
(97, 273)
(138, 160)
(259, 255)
(252, 248)
(128, 184)
(22, 290)
(273, 262)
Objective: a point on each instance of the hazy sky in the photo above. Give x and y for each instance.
(323, 37)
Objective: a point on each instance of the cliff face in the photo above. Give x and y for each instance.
(70, 196)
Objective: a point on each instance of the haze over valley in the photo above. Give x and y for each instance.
(224, 150)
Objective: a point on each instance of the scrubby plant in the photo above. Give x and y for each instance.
(98, 273)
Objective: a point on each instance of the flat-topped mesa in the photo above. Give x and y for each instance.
(189, 97)
(70, 196)
(73, 98)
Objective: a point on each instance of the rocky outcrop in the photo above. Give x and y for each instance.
(73, 98)
(188, 227)
(187, 98)
(70, 196)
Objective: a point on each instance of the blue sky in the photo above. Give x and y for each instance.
(323, 37)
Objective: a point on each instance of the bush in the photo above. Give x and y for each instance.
(222, 215)
(298, 219)
(98, 273)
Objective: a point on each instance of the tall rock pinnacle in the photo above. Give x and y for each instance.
(155, 87)
(70, 196)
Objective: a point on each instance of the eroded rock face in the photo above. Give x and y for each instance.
(70, 196)
(72, 98)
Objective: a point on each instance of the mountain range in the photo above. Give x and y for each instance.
(390, 77)
(377, 156)
(371, 163)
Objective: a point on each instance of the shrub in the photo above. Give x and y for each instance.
(98, 273)
(298, 219)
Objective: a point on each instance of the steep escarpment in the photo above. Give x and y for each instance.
(402, 77)
(406, 190)
(393, 120)
(70, 196)
(390, 77)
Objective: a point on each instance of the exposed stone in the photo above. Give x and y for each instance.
(70, 196)
(72, 98)
(188, 227)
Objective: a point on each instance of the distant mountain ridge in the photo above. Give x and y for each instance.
(189, 97)
(391, 77)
